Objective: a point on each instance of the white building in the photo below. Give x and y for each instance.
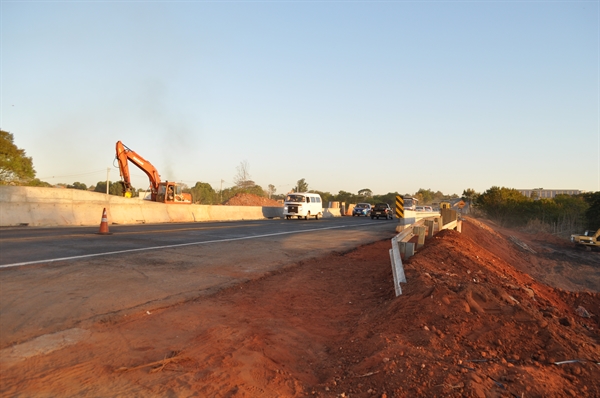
(548, 193)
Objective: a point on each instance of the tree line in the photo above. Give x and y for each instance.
(506, 206)
(561, 214)
(17, 169)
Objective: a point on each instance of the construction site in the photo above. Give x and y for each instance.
(488, 312)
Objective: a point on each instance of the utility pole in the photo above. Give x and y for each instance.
(221, 192)
(107, 173)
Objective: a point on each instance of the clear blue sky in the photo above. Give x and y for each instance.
(390, 95)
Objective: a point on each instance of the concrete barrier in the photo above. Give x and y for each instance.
(332, 212)
(37, 206)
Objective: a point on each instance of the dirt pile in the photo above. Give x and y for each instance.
(247, 199)
(470, 323)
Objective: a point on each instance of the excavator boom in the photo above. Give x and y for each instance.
(165, 192)
(125, 155)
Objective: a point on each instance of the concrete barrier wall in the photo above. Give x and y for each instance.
(54, 206)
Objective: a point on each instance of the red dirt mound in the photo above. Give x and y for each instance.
(247, 199)
(471, 322)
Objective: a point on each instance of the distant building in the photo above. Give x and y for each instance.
(548, 193)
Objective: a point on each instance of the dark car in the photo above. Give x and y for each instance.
(382, 210)
(362, 209)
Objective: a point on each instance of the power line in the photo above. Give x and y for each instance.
(73, 175)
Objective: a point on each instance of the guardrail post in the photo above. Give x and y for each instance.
(397, 287)
(409, 250)
(397, 267)
(429, 224)
(402, 246)
(420, 232)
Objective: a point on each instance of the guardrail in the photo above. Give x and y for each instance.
(401, 244)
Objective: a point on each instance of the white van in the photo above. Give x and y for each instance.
(303, 205)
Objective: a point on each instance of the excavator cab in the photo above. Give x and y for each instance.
(170, 192)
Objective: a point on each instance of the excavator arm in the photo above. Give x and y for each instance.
(125, 155)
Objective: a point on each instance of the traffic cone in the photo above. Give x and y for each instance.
(104, 224)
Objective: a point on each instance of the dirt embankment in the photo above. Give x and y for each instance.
(246, 199)
(474, 320)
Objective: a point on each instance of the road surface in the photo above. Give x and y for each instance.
(55, 279)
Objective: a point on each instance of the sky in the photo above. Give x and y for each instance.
(391, 96)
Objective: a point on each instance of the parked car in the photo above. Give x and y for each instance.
(382, 210)
(362, 209)
(428, 208)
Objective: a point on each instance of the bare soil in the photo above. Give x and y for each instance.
(488, 312)
(246, 199)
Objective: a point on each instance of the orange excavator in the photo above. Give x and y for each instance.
(164, 192)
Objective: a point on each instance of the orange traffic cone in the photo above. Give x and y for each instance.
(104, 224)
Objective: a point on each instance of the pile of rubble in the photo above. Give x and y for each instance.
(248, 199)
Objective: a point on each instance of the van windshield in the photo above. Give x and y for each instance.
(295, 198)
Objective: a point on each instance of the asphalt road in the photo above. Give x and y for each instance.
(53, 279)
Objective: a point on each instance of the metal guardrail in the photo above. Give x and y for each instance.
(401, 244)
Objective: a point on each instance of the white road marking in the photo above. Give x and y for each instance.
(177, 245)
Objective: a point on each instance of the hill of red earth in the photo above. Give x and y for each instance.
(488, 312)
(247, 199)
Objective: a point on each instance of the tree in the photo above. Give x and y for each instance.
(36, 182)
(468, 195)
(242, 178)
(535, 193)
(438, 196)
(345, 197)
(114, 188)
(100, 187)
(425, 195)
(78, 185)
(366, 193)
(566, 212)
(203, 193)
(503, 205)
(255, 190)
(326, 197)
(302, 186)
(229, 193)
(271, 190)
(389, 198)
(15, 167)
(592, 214)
